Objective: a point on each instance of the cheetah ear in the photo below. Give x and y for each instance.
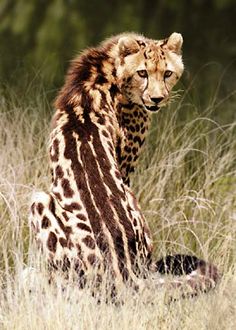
(174, 42)
(127, 46)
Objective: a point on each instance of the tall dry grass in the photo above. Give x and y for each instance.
(186, 186)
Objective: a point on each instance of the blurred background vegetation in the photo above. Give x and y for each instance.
(186, 180)
(39, 37)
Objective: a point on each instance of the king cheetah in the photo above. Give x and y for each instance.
(90, 218)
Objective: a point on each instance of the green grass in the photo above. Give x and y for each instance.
(186, 186)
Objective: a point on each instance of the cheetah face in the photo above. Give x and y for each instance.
(147, 70)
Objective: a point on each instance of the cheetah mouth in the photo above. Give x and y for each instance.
(152, 108)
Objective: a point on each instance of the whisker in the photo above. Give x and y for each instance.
(174, 95)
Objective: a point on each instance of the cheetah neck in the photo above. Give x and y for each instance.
(92, 88)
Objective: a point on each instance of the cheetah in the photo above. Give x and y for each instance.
(91, 218)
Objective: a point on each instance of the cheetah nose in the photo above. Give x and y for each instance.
(157, 99)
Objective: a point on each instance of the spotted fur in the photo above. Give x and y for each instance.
(91, 219)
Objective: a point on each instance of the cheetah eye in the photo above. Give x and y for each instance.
(142, 73)
(167, 74)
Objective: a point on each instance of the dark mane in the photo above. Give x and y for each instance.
(81, 69)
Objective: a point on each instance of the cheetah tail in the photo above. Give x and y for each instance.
(198, 274)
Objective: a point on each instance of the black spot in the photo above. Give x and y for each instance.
(59, 172)
(101, 120)
(55, 150)
(58, 196)
(52, 242)
(40, 208)
(127, 149)
(45, 222)
(132, 128)
(104, 133)
(100, 80)
(113, 91)
(129, 159)
(52, 205)
(73, 206)
(134, 150)
(81, 217)
(68, 192)
(63, 242)
(128, 80)
(64, 214)
(89, 241)
(143, 130)
(83, 226)
(92, 259)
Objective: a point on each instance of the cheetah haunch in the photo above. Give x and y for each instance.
(91, 219)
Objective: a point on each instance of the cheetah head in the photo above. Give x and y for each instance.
(147, 70)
